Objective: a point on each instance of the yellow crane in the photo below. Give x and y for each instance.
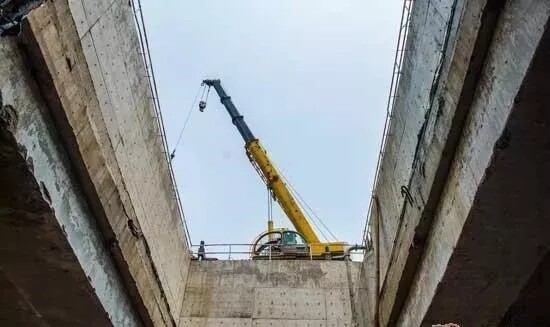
(277, 243)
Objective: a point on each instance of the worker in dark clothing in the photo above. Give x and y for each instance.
(201, 253)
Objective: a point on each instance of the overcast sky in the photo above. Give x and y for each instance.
(311, 79)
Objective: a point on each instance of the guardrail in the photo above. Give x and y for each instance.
(243, 251)
(396, 74)
(150, 74)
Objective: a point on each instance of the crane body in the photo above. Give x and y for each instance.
(257, 155)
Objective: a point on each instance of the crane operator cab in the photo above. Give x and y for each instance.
(280, 243)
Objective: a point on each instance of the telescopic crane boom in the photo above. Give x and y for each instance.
(269, 174)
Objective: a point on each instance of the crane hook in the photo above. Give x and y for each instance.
(202, 105)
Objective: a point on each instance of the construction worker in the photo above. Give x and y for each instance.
(201, 254)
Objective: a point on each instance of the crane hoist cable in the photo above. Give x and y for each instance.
(301, 202)
(269, 205)
(186, 121)
(308, 208)
(299, 199)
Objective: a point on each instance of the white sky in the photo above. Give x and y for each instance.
(311, 78)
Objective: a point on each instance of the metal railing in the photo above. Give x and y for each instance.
(396, 75)
(243, 251)
(150, 74)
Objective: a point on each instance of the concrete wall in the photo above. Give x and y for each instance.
(270, 293)
(111, 49)
(410, 173)
(54, 264)
(427, 43)
(365, 290)
(94, 119)
(443, 235)
(490, 230)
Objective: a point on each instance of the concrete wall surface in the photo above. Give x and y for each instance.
(55, 267)
(365, 291)
(76, 79)
(428, 41)
(457, 218)
(270, 293)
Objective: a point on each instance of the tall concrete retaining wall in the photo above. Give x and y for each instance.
(55, 267)
(76, 80)
(270, 293)
(458, 212)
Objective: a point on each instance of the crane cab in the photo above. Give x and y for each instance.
(286, 244)
(280, 243)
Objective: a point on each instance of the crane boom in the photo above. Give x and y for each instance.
(259, 158)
